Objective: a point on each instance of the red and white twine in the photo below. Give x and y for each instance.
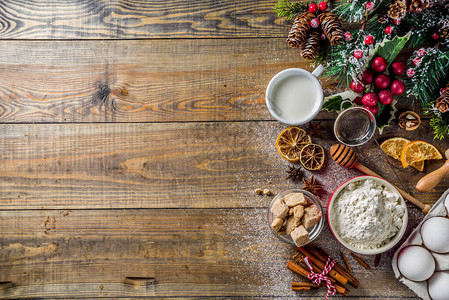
(317, 278)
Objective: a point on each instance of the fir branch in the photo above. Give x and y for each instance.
(285, 8)
(355, 11)
(440, 127)
(422, 25)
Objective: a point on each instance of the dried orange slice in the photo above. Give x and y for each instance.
(418, 151)
(290, 141)
(394, 146)
(312, 157)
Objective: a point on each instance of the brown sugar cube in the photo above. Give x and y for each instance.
(291, 224)
(277, 224)
(300, 236)
(291, 211)
(312, 216)
(279, 209)
(298, 212)
(294, 199)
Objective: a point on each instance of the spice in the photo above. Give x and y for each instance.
(409, 120)
(294, 174)
(314, 129)
(312, 185)
(377, 260)
(361, 261)
(266, 192)
(346, 262)
(258, 191)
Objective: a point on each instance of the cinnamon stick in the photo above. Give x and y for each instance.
(340, 278)
(361, 261)
(302, 263)
(323, 256)
(377, 260)
(304, 284)
(301, 288)
(304, 273)
(346, 262)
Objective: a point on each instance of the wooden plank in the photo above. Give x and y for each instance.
(174, 165)
(181, 253)
(137, 19)
(140, 81)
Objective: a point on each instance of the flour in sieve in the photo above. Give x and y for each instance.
(367, 214)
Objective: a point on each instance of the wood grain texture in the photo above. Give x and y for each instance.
(140, 81)
(181, 253)
(138, 19)
(175, 165)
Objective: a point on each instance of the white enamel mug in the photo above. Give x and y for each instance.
(295, 96)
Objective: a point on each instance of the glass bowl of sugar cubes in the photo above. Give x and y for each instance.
(295, 217)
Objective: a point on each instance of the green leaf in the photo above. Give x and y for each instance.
(385, 115)
(333, 104)
(389, 49)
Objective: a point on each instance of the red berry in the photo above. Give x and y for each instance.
(379, 64)
(369, 39)
(373, 109)
(417, 61)
(348, 36)
(370, 99)
(323, 6)
(410, 73)
(385, 97)
(421, 52)
(442, 91)
(367, 77)
(357, 87)
(369, 5)
(435, 36)
(398, 68)
(358, 54)
(397, 87)
(388, 29)
(313, 8)
(358, 100)
(323, 36)
(382, 81)
(314, 23)
(397, 21)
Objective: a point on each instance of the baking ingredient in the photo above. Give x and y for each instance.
(312, 157)
(416, 263)
(312, 185)
(435, 234)
(367, 214)
(409, 120)
(294, 174)
(267, 192)
(394, 146)
(361, 261)
(438, 286)
(258, 191)
(418, 151)
(290, 141)
(446, 203)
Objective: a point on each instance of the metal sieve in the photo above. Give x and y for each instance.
(354, 126)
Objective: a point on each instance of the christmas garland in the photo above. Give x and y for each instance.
(379, 31)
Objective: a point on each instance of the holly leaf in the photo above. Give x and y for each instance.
(389, 49)
(385, 115)
(333, 102)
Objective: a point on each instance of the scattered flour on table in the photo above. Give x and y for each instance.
(367, 214)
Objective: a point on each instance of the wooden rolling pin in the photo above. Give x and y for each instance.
(431, 180)
(346, 157)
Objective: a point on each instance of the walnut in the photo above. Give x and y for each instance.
(409, 120)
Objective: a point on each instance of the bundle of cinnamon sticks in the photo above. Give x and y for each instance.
(318, 258)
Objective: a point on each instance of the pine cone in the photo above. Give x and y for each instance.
(417, 6)
(298, 34)
(310, 47)
(398, 9)
(383, 17)
(332, 27)
(443, 103)
(443, 29)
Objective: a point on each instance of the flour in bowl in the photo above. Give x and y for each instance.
(367, 214)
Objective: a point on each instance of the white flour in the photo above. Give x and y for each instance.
(367, 214)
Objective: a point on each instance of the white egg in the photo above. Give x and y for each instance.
(435, 234)
(416, 263)
(446, 203)
(438, 286)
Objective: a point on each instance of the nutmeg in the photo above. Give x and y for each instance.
(409, 120)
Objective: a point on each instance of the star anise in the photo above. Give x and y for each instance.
(312, 185)
(314, 129)
(294, 174)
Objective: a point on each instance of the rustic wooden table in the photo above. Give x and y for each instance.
(133, 134)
